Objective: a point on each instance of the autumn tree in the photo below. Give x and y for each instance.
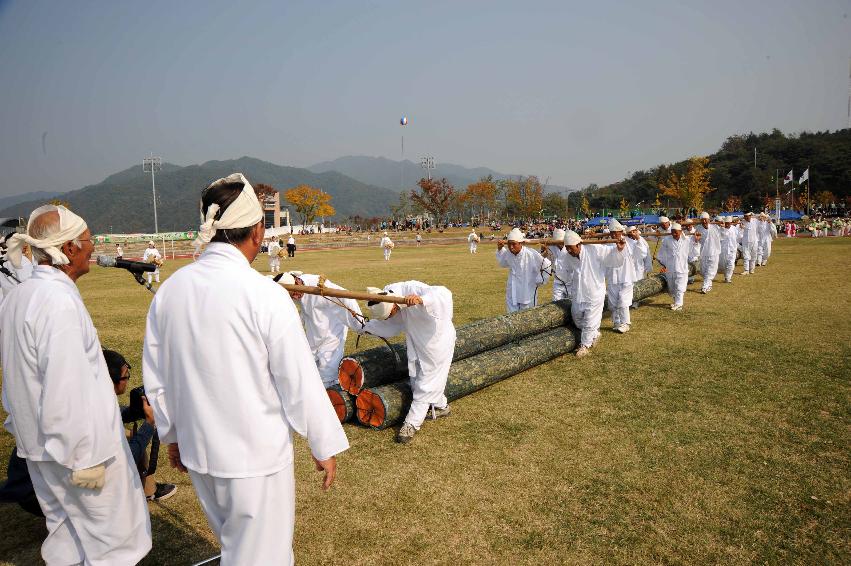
(435, 196)
(624, 208)
(585, 207)
(310, 202)
(733, 203)
(524, 195)
(824, 198)
(264, 192)
(690, 188)
(481, 195)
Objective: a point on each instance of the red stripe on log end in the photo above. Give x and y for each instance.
(350, 376)
(370, 408)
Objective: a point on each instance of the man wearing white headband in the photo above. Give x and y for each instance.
(674, 257)
(641, 256)
(750, 242)
(664, 224)
(327, 321)
(11, 276)
(710, 250)
(729, 248)
(152, 255)
(767, 232)
(562, 274)
(62, 409)
(589, 285)
(387, 245)
(430, 341)
(527, 270)
(473, 240)
(230, 376)
(619, 283)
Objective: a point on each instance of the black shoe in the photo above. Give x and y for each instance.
(163, 492)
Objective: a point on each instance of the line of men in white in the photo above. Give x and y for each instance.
(588, 274)
(228, 371)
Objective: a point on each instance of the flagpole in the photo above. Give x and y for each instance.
(809, 207)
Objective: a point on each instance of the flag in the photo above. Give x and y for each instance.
(805, 176)
(788, 178)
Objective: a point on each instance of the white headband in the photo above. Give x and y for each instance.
(243, 212)
(70, 227)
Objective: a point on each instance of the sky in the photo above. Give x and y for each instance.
(577, 92)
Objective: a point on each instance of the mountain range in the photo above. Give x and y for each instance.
(122, 201)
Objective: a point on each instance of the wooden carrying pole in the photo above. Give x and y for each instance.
(343, 294)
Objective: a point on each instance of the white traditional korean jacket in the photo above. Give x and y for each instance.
(527, 271)
(641, 257)
(674, 254)
(589, 281)
(22, 273)
(229, 373)
(710, 241)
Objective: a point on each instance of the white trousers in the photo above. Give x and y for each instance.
(728, 262)
(473, 247)
(620, 297)
(327, 360)
(106, 526)
(514, 307)
(749, 254)
(587, 318)
(709, 269)
(274, 263)
(766, 251)
(252, 517)
(154, 275)
(427, 390)
(677, 283)
(559, 291)
(387, 252)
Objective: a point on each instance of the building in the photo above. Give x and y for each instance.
(272, 210)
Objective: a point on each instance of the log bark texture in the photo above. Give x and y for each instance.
(344, 404)
(387, 405)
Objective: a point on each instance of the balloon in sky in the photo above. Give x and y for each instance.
(404, 121)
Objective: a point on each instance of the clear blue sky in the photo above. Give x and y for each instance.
(577, 92)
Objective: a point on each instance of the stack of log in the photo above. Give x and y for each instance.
(374, 383)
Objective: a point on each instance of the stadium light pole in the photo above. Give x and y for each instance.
(151, 165)
(427, 163)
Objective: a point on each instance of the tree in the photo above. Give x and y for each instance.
(310, 202)
(732, 203)
(585, 207)
(690, 188)
(525, 195)
(555, 204)
(624, 208)
(401, 209)
(264, 191)
(824, 198)
(481, 195)
(434, 196)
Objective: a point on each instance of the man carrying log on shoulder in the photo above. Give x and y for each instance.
(562, 276)
(426, 321)
(528, 270)
(641, 257)
(589, 285)
(620, 280)
(665, 224)
(750, 242)
(326, 322)
(674, 257)
(729, 248)
(710, 250)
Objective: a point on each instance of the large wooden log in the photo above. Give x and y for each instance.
(386, 405)
(344, 404)
(377, 366)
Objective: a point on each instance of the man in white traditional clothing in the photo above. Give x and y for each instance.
(642, 259)
(589, 285)
(710, 250)
(562, 274)
(674, 256)
(327, 321)
(619, 283)
(274, 251)
(473, 240)
(230, 376)
(527, 270)
(665, 224)
(387, 245)
(729, 248)
(152, 255)
(11, 276)
(62, 409)
(750, 242)
(426, 320)
(767, 233)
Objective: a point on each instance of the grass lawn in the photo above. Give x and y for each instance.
(719, 434)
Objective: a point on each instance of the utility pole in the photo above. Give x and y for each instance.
(151, 165)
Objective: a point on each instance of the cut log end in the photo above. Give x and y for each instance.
(370, 409)
(350, 376)
(338, 403)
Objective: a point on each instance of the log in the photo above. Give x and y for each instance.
(386, 405)
(344, 404)
(378, 366)
(343, 293)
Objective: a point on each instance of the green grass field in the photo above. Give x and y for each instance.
(719, 434)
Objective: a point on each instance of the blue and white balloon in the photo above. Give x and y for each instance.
(404, 121)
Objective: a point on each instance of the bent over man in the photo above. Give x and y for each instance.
(527, 270)
(61, 405)
(229, 374)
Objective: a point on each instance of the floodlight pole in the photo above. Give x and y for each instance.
(427, 163)
(152, 164)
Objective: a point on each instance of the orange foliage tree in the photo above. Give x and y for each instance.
(689, 189)
(309, 202)
(434, 197)
(481, 195)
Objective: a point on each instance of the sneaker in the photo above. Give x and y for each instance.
(703, 291)
(728, 281)
(596, 339)
(626, 328)
(406, 433)
(436, 413)
(745, 273)
(163, 492)
(621, 328)
(676, 307)
(583, 351)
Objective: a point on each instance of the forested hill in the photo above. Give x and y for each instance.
(122, 202)
(827, 154)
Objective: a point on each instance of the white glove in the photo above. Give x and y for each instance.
(89, 478)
